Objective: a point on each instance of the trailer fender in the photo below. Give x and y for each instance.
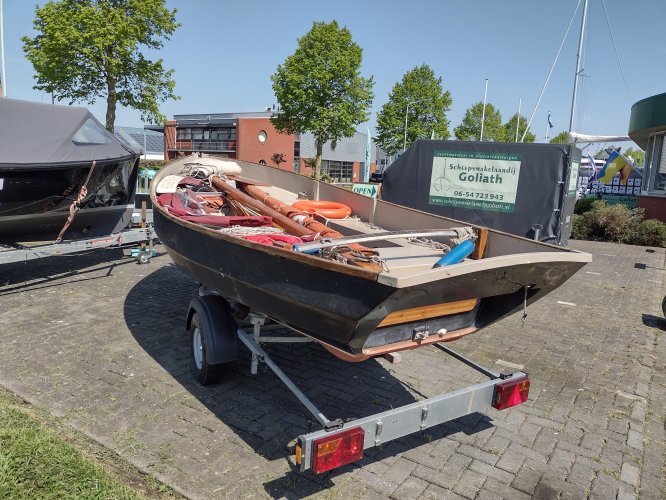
(217, 326)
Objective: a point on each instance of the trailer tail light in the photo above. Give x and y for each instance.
(338, 449)
(511, 393)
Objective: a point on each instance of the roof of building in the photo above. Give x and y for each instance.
(133, 137)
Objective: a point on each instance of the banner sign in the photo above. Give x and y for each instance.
(473, 179)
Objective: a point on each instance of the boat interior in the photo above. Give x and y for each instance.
(399, 261)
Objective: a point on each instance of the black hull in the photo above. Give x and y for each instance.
(35, 201)
(343, 308)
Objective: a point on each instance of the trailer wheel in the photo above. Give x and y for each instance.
(204, 372)
(663, 307)
(213, 338)
(143, 257)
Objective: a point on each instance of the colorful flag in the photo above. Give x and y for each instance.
(625, 172)
(613, 165)
(550, 124)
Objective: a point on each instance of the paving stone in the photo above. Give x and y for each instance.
(114, 364)
(469, 484)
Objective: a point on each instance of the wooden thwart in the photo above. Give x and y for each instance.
(426, 312)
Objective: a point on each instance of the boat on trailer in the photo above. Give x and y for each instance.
(383, 279)
(56, 161)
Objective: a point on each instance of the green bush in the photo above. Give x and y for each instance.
(649, 233)
(583, 205)
(579, 229)
(617, 223)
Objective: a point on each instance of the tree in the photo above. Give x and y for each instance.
(320, 88)
(278, 158)
(90, 49)
(470, 127)
(561, 138)
(421, 100)
(510, 129)
(637, 156)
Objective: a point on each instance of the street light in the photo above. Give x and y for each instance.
(404, 142)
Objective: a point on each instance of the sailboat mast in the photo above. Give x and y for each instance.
(578, 70)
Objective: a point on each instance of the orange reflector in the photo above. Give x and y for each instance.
(338, 449)
(511, 393)
(299, 453)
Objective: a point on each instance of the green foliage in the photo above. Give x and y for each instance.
(617, 223)
(152, 164)
(419, 96)
(470, 127)
(561, 138)
(510, 129)
(637, 155)
(584, 205)
(320, 88)
(90, 49)
(649, 233)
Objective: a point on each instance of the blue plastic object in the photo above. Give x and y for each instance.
(457, 254)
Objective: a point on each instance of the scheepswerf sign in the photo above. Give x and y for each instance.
(479, 180)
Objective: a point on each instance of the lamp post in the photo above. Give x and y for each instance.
(404, 141)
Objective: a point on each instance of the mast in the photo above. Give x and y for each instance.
(578, 70)
(3, 78)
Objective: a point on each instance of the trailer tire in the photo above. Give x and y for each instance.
(213, 338)
(663, 307)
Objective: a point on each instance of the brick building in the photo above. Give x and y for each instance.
(252, 137)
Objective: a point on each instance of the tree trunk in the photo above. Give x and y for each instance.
(110, 103)
(320, 149)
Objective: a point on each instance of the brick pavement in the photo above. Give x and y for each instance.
(99, 341)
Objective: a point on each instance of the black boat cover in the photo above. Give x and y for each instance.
(512, 187)
(34, 134)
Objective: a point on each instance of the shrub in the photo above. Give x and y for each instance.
(579, 228)
(617, 223)
(583, 205)
(649, 233)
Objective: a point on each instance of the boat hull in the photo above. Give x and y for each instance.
(35, 201)
(343, 310)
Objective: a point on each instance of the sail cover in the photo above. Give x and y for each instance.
(45, 135)
(524, 189)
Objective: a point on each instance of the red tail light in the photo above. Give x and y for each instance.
(511, 393)
(338, 449)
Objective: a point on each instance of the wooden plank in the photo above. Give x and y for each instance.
(426, 312)
(480, 244)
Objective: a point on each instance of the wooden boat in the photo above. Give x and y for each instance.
(362, 286)
(51, 156)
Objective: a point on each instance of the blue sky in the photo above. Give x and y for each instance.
(225, 52)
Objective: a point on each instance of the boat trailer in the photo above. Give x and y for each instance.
(214, 339)
(139, 234)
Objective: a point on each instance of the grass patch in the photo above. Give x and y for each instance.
(40, 458)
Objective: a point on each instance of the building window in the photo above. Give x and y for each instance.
(262, 136)
(339, 171)
(184, 134)
(654, 175)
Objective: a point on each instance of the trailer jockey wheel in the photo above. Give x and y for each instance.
(204, 372)
(143, 257)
